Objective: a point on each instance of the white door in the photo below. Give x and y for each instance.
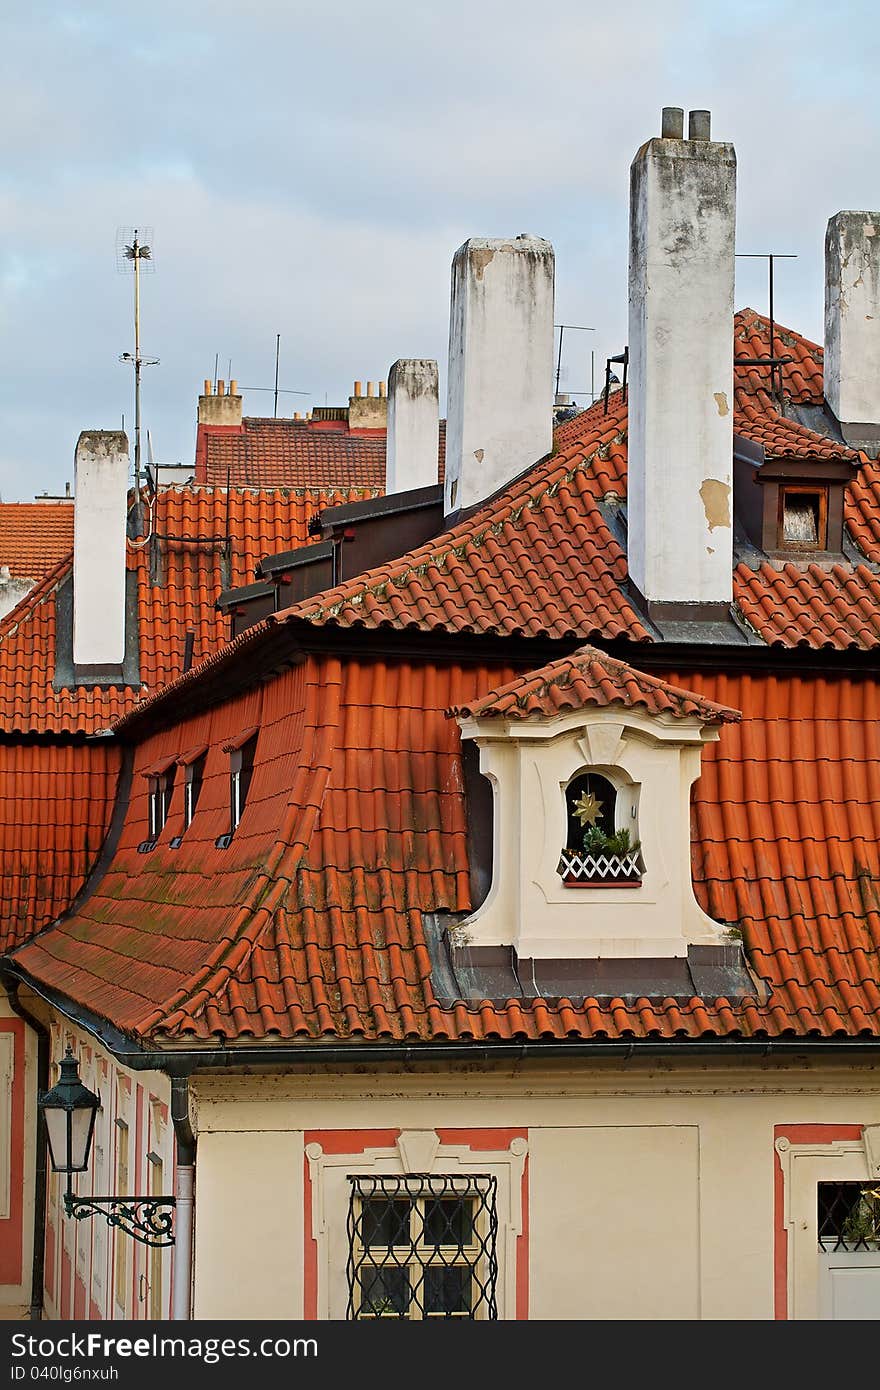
(849, 1285)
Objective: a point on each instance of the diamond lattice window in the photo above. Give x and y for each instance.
(849, 1216)
(422, 1246)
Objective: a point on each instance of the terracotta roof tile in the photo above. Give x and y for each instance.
(180, 571)
(311, 924)
(591, 678)
(294, 453)
(34, 536)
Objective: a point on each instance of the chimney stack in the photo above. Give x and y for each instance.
(367, 412)
(413, 425)
(99, 522)
(852, 325)
(500, 390)
(222, 407)
(681, 264)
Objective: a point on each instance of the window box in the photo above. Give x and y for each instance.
(581, 870)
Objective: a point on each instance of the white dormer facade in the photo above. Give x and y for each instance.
(651, 761)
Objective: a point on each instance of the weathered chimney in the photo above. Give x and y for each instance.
(222, 408)
(500, 389)
(681, 264)
(99, 521)
(413, 425)
(852, 325)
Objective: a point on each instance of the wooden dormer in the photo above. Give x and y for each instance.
(791, 508)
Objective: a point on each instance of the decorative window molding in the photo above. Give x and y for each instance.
(415, 1152)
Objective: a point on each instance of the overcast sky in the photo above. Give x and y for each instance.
(309, 170)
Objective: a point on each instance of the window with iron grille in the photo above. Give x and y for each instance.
(422, 1246)
(849, 1216)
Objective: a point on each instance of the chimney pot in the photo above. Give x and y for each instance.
(699, 125)
(357, 388)
(370, 385)
(207, 390)
(382, 389)
(296, 415)
(413, 425)
(500, 365)
(233, 388)
(681, 264)
(99, 521)
(672, 123)
(221, 387)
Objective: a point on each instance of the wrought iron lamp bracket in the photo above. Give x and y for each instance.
(147, 1219)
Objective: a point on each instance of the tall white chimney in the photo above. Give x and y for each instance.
(413, 425)
(852, 324)
(500, 398)
(100, 514)
(681, 264)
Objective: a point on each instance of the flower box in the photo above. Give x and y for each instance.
(582, 870)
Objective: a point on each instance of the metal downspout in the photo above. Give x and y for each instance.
(184, 1191)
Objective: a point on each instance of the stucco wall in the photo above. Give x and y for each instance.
(645, 1195)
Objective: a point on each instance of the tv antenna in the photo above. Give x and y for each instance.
(133, 254)
(575, 328)
(276, 389)
(772, 361)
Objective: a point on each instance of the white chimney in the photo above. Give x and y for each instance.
(500, 398)
(99, 521)
(852, 324)
(413, 425)
(681, 264)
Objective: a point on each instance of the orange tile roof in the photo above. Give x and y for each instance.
(179, 576)
(293, 453)
(34, 536)
(539, 558)
(54, 813)
(591, 678)
(312, 923)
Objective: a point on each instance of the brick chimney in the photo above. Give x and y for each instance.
(413, 425)
(220, 407)
(852, 325)
(99, 521)
(681, 264)
(500, 397)
(370, 411)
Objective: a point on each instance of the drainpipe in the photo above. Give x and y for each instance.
(184, 1184)
(35, 1311)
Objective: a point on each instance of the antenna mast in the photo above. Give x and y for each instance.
(132, 252)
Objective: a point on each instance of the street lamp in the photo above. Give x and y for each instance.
(69, 1110)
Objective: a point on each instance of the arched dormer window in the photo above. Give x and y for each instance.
(596, 850)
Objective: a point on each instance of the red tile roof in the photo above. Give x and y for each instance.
(539, 558)
(180, 573)
(34, 536)
(54, 813)
(293, 453)
(311, 924)
(591, 678)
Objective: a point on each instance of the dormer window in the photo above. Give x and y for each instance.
(241, 750)
(597, 850)
(194, 774)
(803, 518)
(161, 791)
(160, 784)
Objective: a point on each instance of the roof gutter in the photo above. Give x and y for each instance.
(184, 1061)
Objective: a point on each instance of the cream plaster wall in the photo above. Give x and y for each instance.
(249, 1224)
(650, 1191)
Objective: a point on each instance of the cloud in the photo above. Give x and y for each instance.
(310, 170)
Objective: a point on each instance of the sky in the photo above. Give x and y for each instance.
(309, 170)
